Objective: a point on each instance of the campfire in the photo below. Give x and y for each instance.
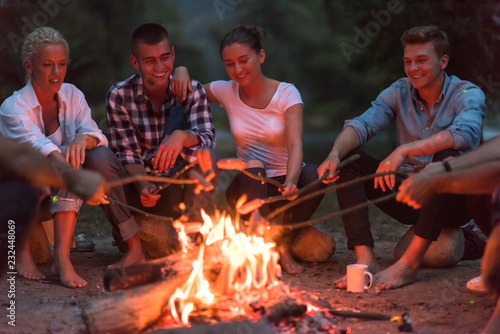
(249, 268)
(225, 272)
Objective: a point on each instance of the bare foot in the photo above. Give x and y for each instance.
(133, 255)
(396, 276)
(63, 268)
(288, 264)
(26, 267)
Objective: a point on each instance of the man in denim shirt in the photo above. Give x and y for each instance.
(436, 116)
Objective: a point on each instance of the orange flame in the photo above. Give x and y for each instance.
(249, 264)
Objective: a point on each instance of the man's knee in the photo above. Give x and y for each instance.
(102, 160)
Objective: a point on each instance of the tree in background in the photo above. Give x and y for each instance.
(339, 54)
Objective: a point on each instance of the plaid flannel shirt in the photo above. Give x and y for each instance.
(136, 129)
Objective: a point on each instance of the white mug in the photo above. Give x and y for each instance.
(356, 278)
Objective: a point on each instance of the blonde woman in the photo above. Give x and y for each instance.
(55, 119)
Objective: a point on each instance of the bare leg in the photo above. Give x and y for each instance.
(404, 271)
(494, 323)
(364, 255)
(288, 263)
(25, 265)
(64, 226)
(133, 255)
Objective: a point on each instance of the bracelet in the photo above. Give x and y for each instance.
(447, 167)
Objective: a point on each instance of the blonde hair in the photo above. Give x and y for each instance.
(39, 38)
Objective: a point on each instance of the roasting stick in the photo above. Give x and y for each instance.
(339, 186)
(163, 186)
(334, 215)
(147, 214)
(136, 178)
(258, 202)
(300, 191)
(259, 177)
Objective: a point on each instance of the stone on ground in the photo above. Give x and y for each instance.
(445, 252)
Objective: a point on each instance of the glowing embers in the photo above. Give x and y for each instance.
(249, 266)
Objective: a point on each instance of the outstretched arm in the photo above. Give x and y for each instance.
(347, 141)
(24, 162)
(294, 134)
(428, 146)
(477, 172)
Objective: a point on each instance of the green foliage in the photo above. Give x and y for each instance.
(305, 48)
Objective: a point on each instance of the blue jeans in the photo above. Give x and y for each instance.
(243, 184)
(105, 162)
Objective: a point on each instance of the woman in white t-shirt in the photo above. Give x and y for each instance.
(265, 117)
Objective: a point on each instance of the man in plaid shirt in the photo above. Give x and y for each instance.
(152, 132)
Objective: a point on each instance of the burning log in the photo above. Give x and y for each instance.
(229, 327)
(129, 311)
(133, 310)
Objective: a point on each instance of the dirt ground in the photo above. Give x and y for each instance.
(437, 303)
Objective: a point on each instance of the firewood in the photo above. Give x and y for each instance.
(229, 327)
(132, 310)
(360, 315)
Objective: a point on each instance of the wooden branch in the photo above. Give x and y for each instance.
(163, 186)
(259, 177)
(257, 203)
(343, 313)
(142, 212)
(150, 178)
(360, 315)
(287, 206)
(334, 215)
(130, 311)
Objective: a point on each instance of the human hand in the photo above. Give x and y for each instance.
(146, 194)
(87, 184)
(169, 150)
(418, 189)
(288, 188)
(181, 83)
(436, 167)
(390, 164)
(99, 197)
(329, 166)
(75, 151)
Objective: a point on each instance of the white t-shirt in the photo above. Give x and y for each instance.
(258, 133)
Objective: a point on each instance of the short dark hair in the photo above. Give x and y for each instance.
(149, 33)
(251, 36)
(426, 34)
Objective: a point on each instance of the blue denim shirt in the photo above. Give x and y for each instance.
(460, 109)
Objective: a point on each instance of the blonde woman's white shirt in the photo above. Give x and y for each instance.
(258, 133)
(21, 118)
